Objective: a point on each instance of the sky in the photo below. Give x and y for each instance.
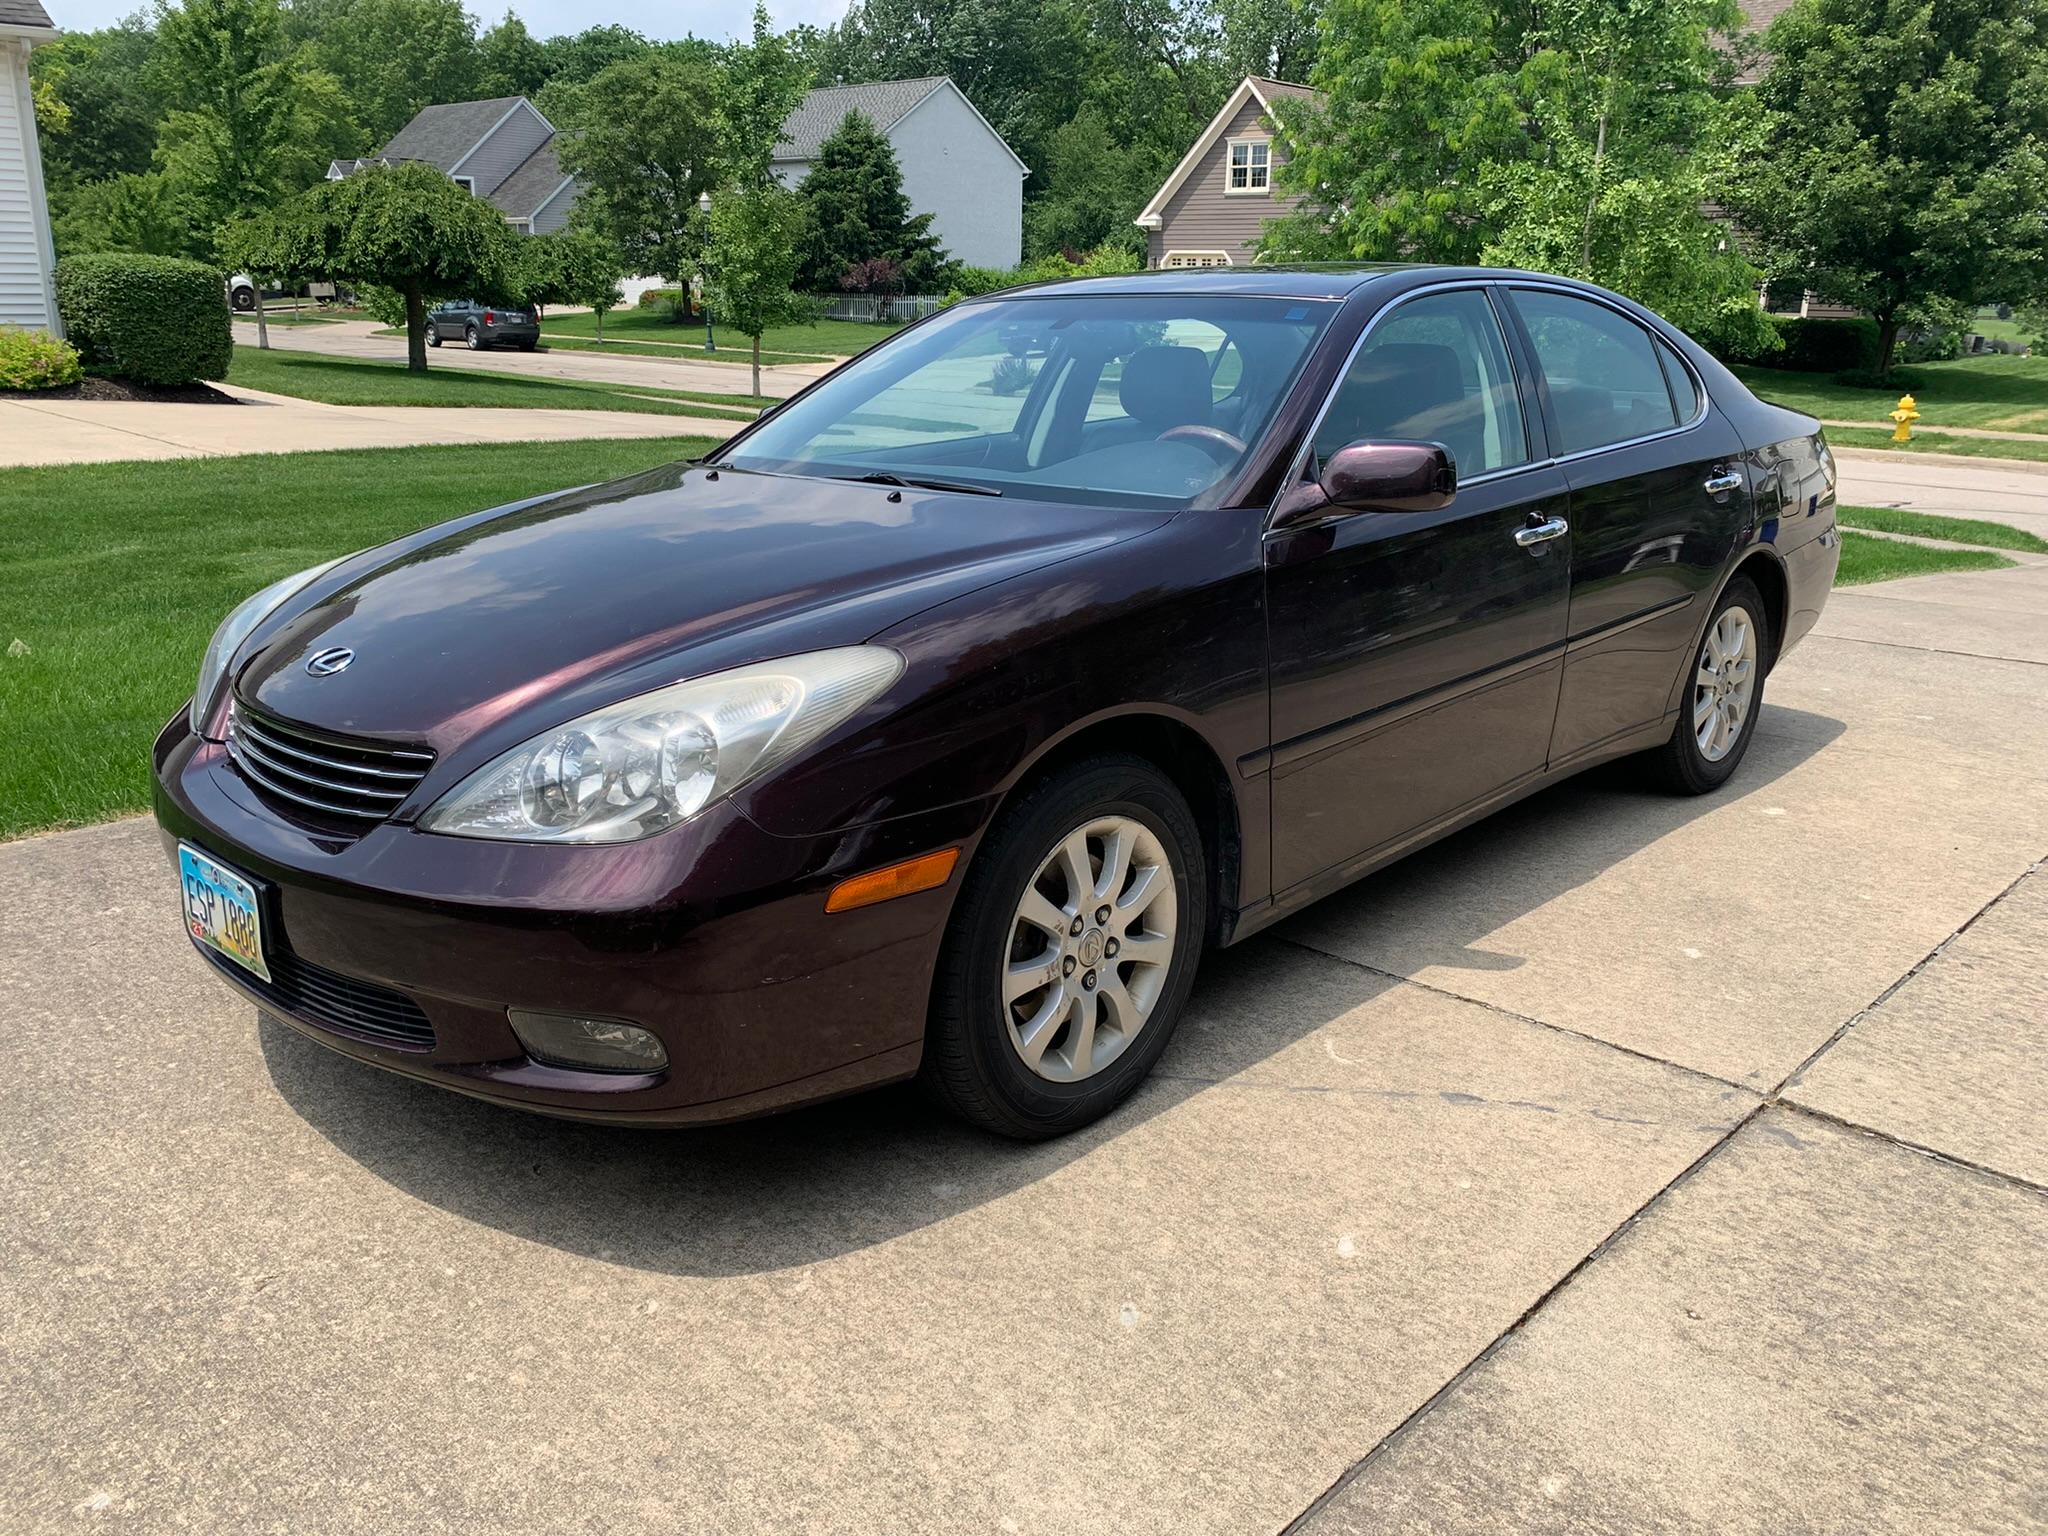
(715, 19)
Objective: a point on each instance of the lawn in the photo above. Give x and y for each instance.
(817, 338)
(355, 381)
(2004, 394)
(286, 317)
(2033, 449)
(1866, 559)
(116, 574)
(1957, 530)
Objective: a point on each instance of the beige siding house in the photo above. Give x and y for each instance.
(1211, 211)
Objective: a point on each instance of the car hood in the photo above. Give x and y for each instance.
(507, 622)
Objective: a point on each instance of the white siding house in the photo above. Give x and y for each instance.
(955, 166)
(28, 261)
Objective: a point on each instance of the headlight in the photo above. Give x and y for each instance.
(638, 767)
(234, 629)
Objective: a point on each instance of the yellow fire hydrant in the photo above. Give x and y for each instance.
(1905, 413)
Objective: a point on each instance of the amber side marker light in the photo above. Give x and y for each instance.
(924, 873)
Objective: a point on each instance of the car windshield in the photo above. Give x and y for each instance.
(1120, 399)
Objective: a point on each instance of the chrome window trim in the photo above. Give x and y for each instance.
(1706, 401)
(1482, 287)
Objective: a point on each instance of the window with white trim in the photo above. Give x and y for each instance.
(1176, 259)
(1250, 166)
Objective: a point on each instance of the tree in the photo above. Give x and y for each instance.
(1902, 160)
(393, 57)
(404, 227)
(752, 267)
(138, 213)
(104, 82)
(510, 60)
(857, 211)
(572, 266)
(761, 84)
(249, 122)
(648, 145)
(1096, 185)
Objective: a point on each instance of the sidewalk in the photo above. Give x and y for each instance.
(2012, 491)
(100, 431)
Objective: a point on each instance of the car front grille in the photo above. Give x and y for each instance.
(356, 780)
(337, 1002)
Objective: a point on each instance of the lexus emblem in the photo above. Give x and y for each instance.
(330, 661)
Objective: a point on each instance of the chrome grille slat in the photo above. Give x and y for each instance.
(354, 780)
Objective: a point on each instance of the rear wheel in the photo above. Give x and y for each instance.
(474, 337)
(433, 336)
(528, 346)
(1071, 952)
(1724, 691)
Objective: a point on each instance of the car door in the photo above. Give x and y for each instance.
(1415, 655)
(437, 320)
(1658, 499)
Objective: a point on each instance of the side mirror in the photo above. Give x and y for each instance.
(1385, 476)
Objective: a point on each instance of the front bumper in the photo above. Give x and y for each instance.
(712, 935)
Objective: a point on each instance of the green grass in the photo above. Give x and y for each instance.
(1942, 446)
(114, 575)
(1957, 530)
(2002, 394)
(1866, 559)
(817, 338)
(357, 381)
(286, 317)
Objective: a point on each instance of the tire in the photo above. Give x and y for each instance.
(1683, 765)
(976, 1043)
(243, 300)
(433, 337)
(473, 338)
(528, 346)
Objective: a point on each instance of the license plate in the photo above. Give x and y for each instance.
(220, 910)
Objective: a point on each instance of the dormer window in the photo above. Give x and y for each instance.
(1249, 166)
(467, 183)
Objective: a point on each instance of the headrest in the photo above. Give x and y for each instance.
(1165, 387)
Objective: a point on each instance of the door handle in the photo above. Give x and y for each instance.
(1722, 484)
(1543, 532)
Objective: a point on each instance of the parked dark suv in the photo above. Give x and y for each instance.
(481, 325)
(938, 722)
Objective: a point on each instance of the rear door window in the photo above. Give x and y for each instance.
(1606, 383)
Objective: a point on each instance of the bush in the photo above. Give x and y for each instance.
(674, 298)
(37, 360)
(154, 319)
(1827, 346)
(970, 282)
(1012, 376)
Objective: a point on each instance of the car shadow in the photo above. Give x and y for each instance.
(832, 1179)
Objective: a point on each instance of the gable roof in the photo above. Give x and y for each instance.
(443, 135)
(883, 103)
(530, 187)
(25, 13)
(1253, 88)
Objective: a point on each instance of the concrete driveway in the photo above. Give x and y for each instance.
(1627, 1164)
(358, 338)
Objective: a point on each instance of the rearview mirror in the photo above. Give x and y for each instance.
(1384, 476)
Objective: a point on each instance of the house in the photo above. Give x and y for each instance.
(1211, 211)
(502, 150)
(955, 166)
(28, 259)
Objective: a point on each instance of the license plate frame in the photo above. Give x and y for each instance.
(222, 910)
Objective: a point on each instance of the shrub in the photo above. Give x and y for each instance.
(37, 360)
(155, 319)
(674, 298)
(1827, 346)
(970, 282)
(1012, 376)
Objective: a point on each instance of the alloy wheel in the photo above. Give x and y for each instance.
(1724, 683)
(1091, 947)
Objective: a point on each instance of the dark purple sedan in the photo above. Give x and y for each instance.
(935, 724)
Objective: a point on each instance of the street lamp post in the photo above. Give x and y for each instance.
(704, 282)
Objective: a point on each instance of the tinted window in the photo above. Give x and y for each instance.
(1435, 369)
(1123, 398)
(1606, 384)
(1685, 394)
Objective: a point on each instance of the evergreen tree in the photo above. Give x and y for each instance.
(857, 212)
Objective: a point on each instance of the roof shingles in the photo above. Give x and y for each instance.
(882, 103)
(443, 135)
(24, 13)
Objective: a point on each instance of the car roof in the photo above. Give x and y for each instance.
(1308, 280)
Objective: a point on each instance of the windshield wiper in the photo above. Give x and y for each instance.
(885, 477)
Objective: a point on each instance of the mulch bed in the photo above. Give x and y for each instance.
(127, 389)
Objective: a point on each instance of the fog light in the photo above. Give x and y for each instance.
(590, 1045)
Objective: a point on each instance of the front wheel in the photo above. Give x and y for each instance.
(1071, 951)
(1724, 691)
(433, 337)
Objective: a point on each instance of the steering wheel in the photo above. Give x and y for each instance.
(1225, 447)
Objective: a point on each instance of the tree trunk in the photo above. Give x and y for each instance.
(600, 326)
(757, 367)
(1887, 340)
(415, 331)
(262, 326)
(1593, 196)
